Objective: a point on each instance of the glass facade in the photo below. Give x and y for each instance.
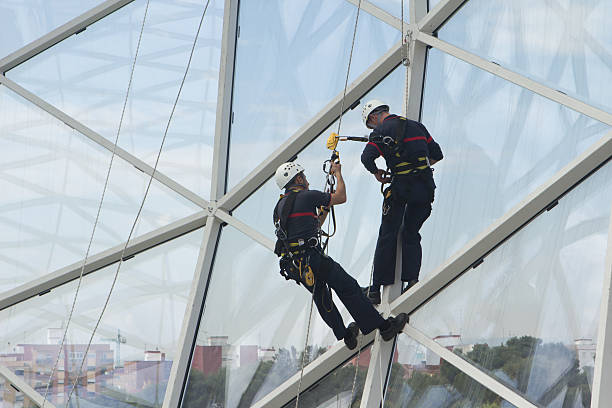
(538, 293)
(87, 77)
(132, 351)
(274, 90)
(236, 336)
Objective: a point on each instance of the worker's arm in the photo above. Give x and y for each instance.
(338, 196)
(370, 153)
(435, 152)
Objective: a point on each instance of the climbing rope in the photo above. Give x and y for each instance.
(329, 185)
(406, 40)
(99, 208)
(141, 204)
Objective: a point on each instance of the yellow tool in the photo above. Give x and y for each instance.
(334, 138)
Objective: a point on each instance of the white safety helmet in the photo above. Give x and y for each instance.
(369, 107)
(286, 172)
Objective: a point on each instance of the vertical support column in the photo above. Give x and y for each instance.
(382, 352)
(224, 99)
(602, 382)
(186, 341)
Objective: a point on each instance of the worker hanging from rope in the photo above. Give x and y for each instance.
(298, 217)
(409, 151)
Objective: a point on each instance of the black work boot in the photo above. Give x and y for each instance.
(396, 324)
(373, 295)
(350, 338)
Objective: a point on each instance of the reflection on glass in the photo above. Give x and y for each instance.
(51, 181)
(359, 218)
(500, 143)
(291, 60)
(23, 21)
(253, 329)
(87, 76)
(132, 351)
(567, 45)
(421, 379)
(11, 397)
(342, 388)
(529, 314)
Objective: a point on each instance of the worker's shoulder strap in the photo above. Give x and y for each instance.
(280, 220)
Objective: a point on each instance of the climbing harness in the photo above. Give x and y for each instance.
(74, 384)
(62, 343)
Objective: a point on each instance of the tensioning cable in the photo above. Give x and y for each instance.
(74, 384)
(93, 231)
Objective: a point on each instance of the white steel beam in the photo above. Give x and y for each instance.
(104, 142)
(472, 252)
(530, 84)
(602, 382)
(98, 261)
(469, 369)
(245, 229)
(224, 99)
(313, 372)
(379, 13)
(307, 133)
(72, 27)
(193, 311)
(24, 387)
(438, 16)
(382, 352)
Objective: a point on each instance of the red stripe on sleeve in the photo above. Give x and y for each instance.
(411, 139)
(303, 214)
(429, 140)
(376, 146)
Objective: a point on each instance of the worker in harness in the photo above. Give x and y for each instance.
(409, 151)
(298, 217)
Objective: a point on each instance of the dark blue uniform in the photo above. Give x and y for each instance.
(409, 146)
(303, 223)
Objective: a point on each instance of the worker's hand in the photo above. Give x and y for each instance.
(381, 176)
(336, 168)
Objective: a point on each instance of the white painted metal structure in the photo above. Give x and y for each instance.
(218, 210)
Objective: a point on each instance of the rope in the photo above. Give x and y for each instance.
(405, 60)
(297, 397)
(348, 70)
(99, 207)
(141, 204)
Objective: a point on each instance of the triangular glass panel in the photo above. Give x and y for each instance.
(421, 379)
(500, 142)
(52, 180)
(86, 76)
(280, 86)
(24, 21)
(132, 351)
(564, 45)
(530, 312)
(342, 388)
(253, 329)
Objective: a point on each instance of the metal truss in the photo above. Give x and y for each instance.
(602, 381)
(222, 203)
(21, 386)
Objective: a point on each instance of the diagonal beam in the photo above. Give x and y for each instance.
(313, 372)
(244, 228)
(602, 382)
(470, 255)
(95, 262)
(61, 33)
(307, 133)
(469, 369)
(438, 16)
(23, 387)
(224, 100)
(534, 86)
(104, 142)
(379, 13)
(193, 312)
